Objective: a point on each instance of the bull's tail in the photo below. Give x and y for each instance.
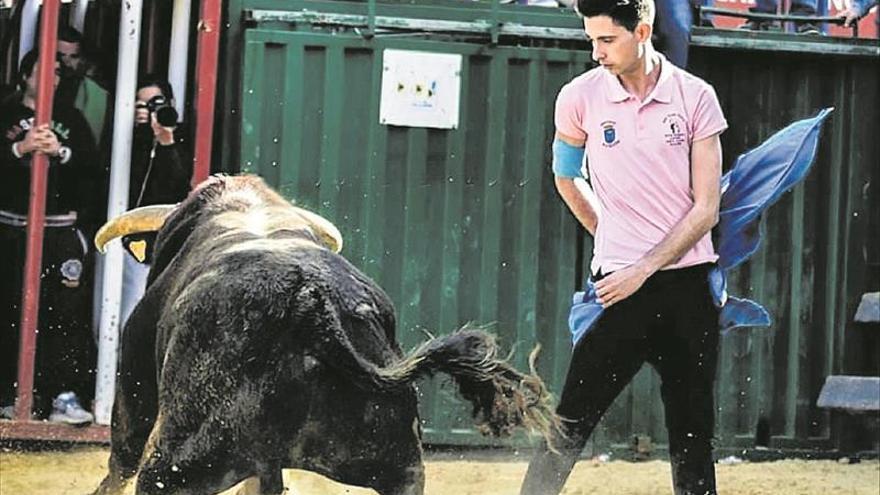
(503, 397)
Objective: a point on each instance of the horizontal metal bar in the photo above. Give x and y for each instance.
(482, 27)
(783, 42)
(448, 10)
(56, 432)
(747, 14)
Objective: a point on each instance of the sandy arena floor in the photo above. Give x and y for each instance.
(79, 471)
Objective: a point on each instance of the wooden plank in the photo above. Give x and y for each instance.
(53, 432)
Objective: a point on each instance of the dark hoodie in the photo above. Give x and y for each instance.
(74, 179)
(166, 181)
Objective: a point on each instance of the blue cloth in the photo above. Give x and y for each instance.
(567, 159)
(756, 181)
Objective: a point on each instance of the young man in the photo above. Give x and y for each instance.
(651, 131)
(79, 90)
(65, 350)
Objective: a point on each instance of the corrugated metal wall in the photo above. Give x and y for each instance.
(820, 246)
(465, 226)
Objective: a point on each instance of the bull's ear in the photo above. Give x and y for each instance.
(140, 246)
(324, 229)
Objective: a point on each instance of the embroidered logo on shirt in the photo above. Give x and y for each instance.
(676, 129)
(71, 270)
(609, 134)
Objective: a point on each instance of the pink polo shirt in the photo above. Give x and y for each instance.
(639, 158)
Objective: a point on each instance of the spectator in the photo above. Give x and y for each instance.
(798, 7)
(65, 349)
(674, 21)
(160, 171)
(78, 89)
(857, 10)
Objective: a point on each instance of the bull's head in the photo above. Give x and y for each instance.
(217, 194)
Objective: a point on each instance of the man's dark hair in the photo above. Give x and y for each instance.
(70, 35)
(26, 68)
(156, 80)
(624, 13)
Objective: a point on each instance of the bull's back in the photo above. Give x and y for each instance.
(265, 287)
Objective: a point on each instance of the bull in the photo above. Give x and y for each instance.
(258, 347)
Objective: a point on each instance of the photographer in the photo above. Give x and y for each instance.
(160, 169)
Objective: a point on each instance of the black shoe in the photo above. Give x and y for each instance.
(808, 28)
(760, 25)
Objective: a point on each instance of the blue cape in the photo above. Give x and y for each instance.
(757, 180)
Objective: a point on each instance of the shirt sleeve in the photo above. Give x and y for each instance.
(708, 118)
(569, 115)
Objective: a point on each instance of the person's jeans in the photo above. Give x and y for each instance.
(674, 20)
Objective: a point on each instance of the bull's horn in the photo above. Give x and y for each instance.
(326, 231)
(143, 219)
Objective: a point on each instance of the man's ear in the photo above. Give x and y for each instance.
(643, 32)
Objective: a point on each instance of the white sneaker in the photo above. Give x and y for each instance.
(66, 409)
(7, 412)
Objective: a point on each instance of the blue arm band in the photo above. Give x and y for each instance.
(567, 159)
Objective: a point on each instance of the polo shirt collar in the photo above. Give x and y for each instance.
(662, 91)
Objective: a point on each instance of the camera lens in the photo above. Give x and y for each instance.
(166, 116)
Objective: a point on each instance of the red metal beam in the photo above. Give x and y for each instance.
(206, 86)
(54, 432)
(36, 215)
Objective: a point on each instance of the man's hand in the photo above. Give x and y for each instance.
(620, 285)
(851, 15)
(164, 135)
(49, 144)
(40, 138)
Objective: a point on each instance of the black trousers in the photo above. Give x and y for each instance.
(671, 323)
(66, 351)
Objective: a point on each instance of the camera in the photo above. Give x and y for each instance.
(166, 115)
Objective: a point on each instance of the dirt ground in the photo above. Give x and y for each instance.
(79, 471)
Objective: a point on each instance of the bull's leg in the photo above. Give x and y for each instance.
(183, 461)
(398, 473)
(134, 407)
(260, 486)
(411, 481)
(271, 481)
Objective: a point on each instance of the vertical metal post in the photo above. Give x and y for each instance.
(29, 14)
(495, 21)
(371, 17)
(117, 203)
(206, 86)
(78, 19)
(178, 59)
(36, 215)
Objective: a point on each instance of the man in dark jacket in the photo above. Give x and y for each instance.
(65, 349)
